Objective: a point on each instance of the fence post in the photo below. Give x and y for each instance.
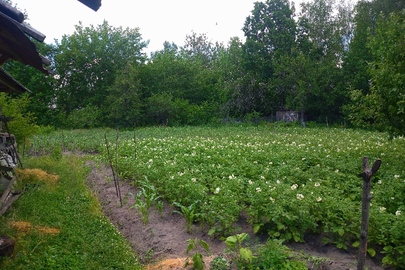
(365, 209)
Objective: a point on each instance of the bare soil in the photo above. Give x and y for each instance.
(162, 242)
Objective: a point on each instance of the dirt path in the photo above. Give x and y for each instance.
(164, 238)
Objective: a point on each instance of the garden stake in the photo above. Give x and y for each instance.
(116, 166)
(111, 165)
(365, 209)
(134, 140)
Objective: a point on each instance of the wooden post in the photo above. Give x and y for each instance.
(365, 210)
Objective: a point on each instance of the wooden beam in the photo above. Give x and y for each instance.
(93, 4)
(11, 12)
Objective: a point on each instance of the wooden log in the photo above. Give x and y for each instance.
(12, 12)
(7, 191)
(10, 200)
(6, 246)
(8, 197)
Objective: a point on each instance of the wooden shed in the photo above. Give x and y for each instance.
(288, 116)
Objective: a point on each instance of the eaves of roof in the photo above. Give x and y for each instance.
(15, 44)
(10, 85)
(93, 4)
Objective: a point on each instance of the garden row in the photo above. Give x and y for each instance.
(288, 181)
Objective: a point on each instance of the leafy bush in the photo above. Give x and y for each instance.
(22, 123)
(219, 263)
(84, 118)
(273, 256)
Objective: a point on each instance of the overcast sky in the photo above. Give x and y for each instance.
(158, 20)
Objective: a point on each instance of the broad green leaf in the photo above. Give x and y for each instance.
(241, 237)
(231, 241)
(212, 231)
(256, 227)
(204, 245)
(190, 247)
(246, 254)
(197, 261)
(371, 251)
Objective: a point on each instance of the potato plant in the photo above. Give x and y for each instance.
(288, 180)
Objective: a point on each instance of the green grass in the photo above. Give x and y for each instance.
(87, 240)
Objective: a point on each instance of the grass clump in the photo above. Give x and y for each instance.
(57, 223)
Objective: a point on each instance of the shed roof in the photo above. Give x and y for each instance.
(10, 85)
(15, 44)
(93, 4)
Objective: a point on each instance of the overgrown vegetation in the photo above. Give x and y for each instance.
(58, 223)
(20, 122)
(334, 62)
(289, 180)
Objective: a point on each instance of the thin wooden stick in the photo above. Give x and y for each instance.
(134, 140)
(116, 166)
(111, 164)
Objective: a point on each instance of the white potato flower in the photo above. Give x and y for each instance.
(300, 196)
(293, 187)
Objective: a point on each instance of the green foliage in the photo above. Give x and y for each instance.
(364, 111)
(235, 241)
(22, 122)
(270, 30)
(41, 95)
(197, 257)
(219, 263)
(190, 213)
(88, 63)
(270, 34)
(243, 255)
(373, 67)
(124, 99)
(287, 180)
(87, 117)
(388, 70)
(388, 233)
(323, 35)
(57, 153)
(313, 62)
(160, 109)
(273, 255)
(84, 238)
(146, 197)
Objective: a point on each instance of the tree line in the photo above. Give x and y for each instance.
(331, 61)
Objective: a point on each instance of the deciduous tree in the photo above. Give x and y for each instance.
(88, 62)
